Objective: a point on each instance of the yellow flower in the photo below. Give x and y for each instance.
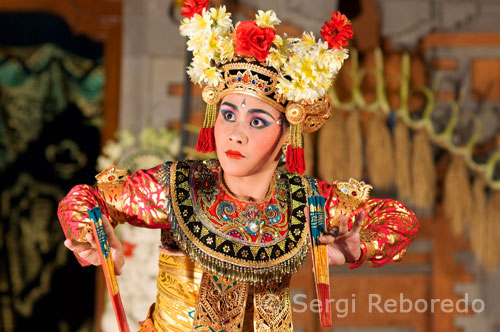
(308, 40)
(226, 49)
(278, 41)
(275, 59)
(201, 23)
(307, 69)
(266, 19)
(212, 76)
(196, 43)
(211, 45)
(198, 66)
(221, 17)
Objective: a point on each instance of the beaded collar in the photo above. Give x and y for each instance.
(247, 241)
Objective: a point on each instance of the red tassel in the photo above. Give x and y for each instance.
(206, 140)
(325, 316)
(295, 161)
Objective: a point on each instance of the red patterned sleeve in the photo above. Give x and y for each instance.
(386, 232)
(139, 200)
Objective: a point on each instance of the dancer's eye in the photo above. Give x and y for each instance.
(228, 115)
(258, 123)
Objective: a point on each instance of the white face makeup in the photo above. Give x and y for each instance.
(248, 135)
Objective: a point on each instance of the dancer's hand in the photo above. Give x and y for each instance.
(344, 246)
(88, 251)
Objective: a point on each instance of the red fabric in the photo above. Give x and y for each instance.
(140, 203)
(251, 39)
(388, 223)
(206, 140)
(295, 161)
(337, 31)
(242, 211)
(193, 7)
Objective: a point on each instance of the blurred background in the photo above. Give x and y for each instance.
(88, 83)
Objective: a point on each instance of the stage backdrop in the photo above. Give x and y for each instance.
(51, 85)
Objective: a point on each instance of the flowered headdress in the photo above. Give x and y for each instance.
(291, 74)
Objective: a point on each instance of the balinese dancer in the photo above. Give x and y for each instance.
(236, 228)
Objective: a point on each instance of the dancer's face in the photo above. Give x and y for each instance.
(249, 134)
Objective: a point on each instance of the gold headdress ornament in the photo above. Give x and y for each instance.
(291, 74)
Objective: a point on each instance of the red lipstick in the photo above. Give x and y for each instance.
(234, 154)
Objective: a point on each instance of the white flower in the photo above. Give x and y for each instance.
(226, 49)
(196, 43)
(212, 76)
(221, 17)
(198, 66)
(283, 86)
(266, 19)
(275, 59)
(196, 25)
(186, 28)
(308, 41)
(337, 59)
(202, 23)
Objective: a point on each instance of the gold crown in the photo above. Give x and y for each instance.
(253, 79)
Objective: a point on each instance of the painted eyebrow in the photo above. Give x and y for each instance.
(250, 111)
(233, 106)
(258, 110)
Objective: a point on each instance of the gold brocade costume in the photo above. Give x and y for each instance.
(226, 264)
(228, 293)
(236, 270)
(178, 287)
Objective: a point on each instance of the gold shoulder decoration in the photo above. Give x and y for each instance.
(112, 175)
(110, 183)
(347, 197)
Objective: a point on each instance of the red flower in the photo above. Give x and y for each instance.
(193, 7)
(251, 39)
(337, 31)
